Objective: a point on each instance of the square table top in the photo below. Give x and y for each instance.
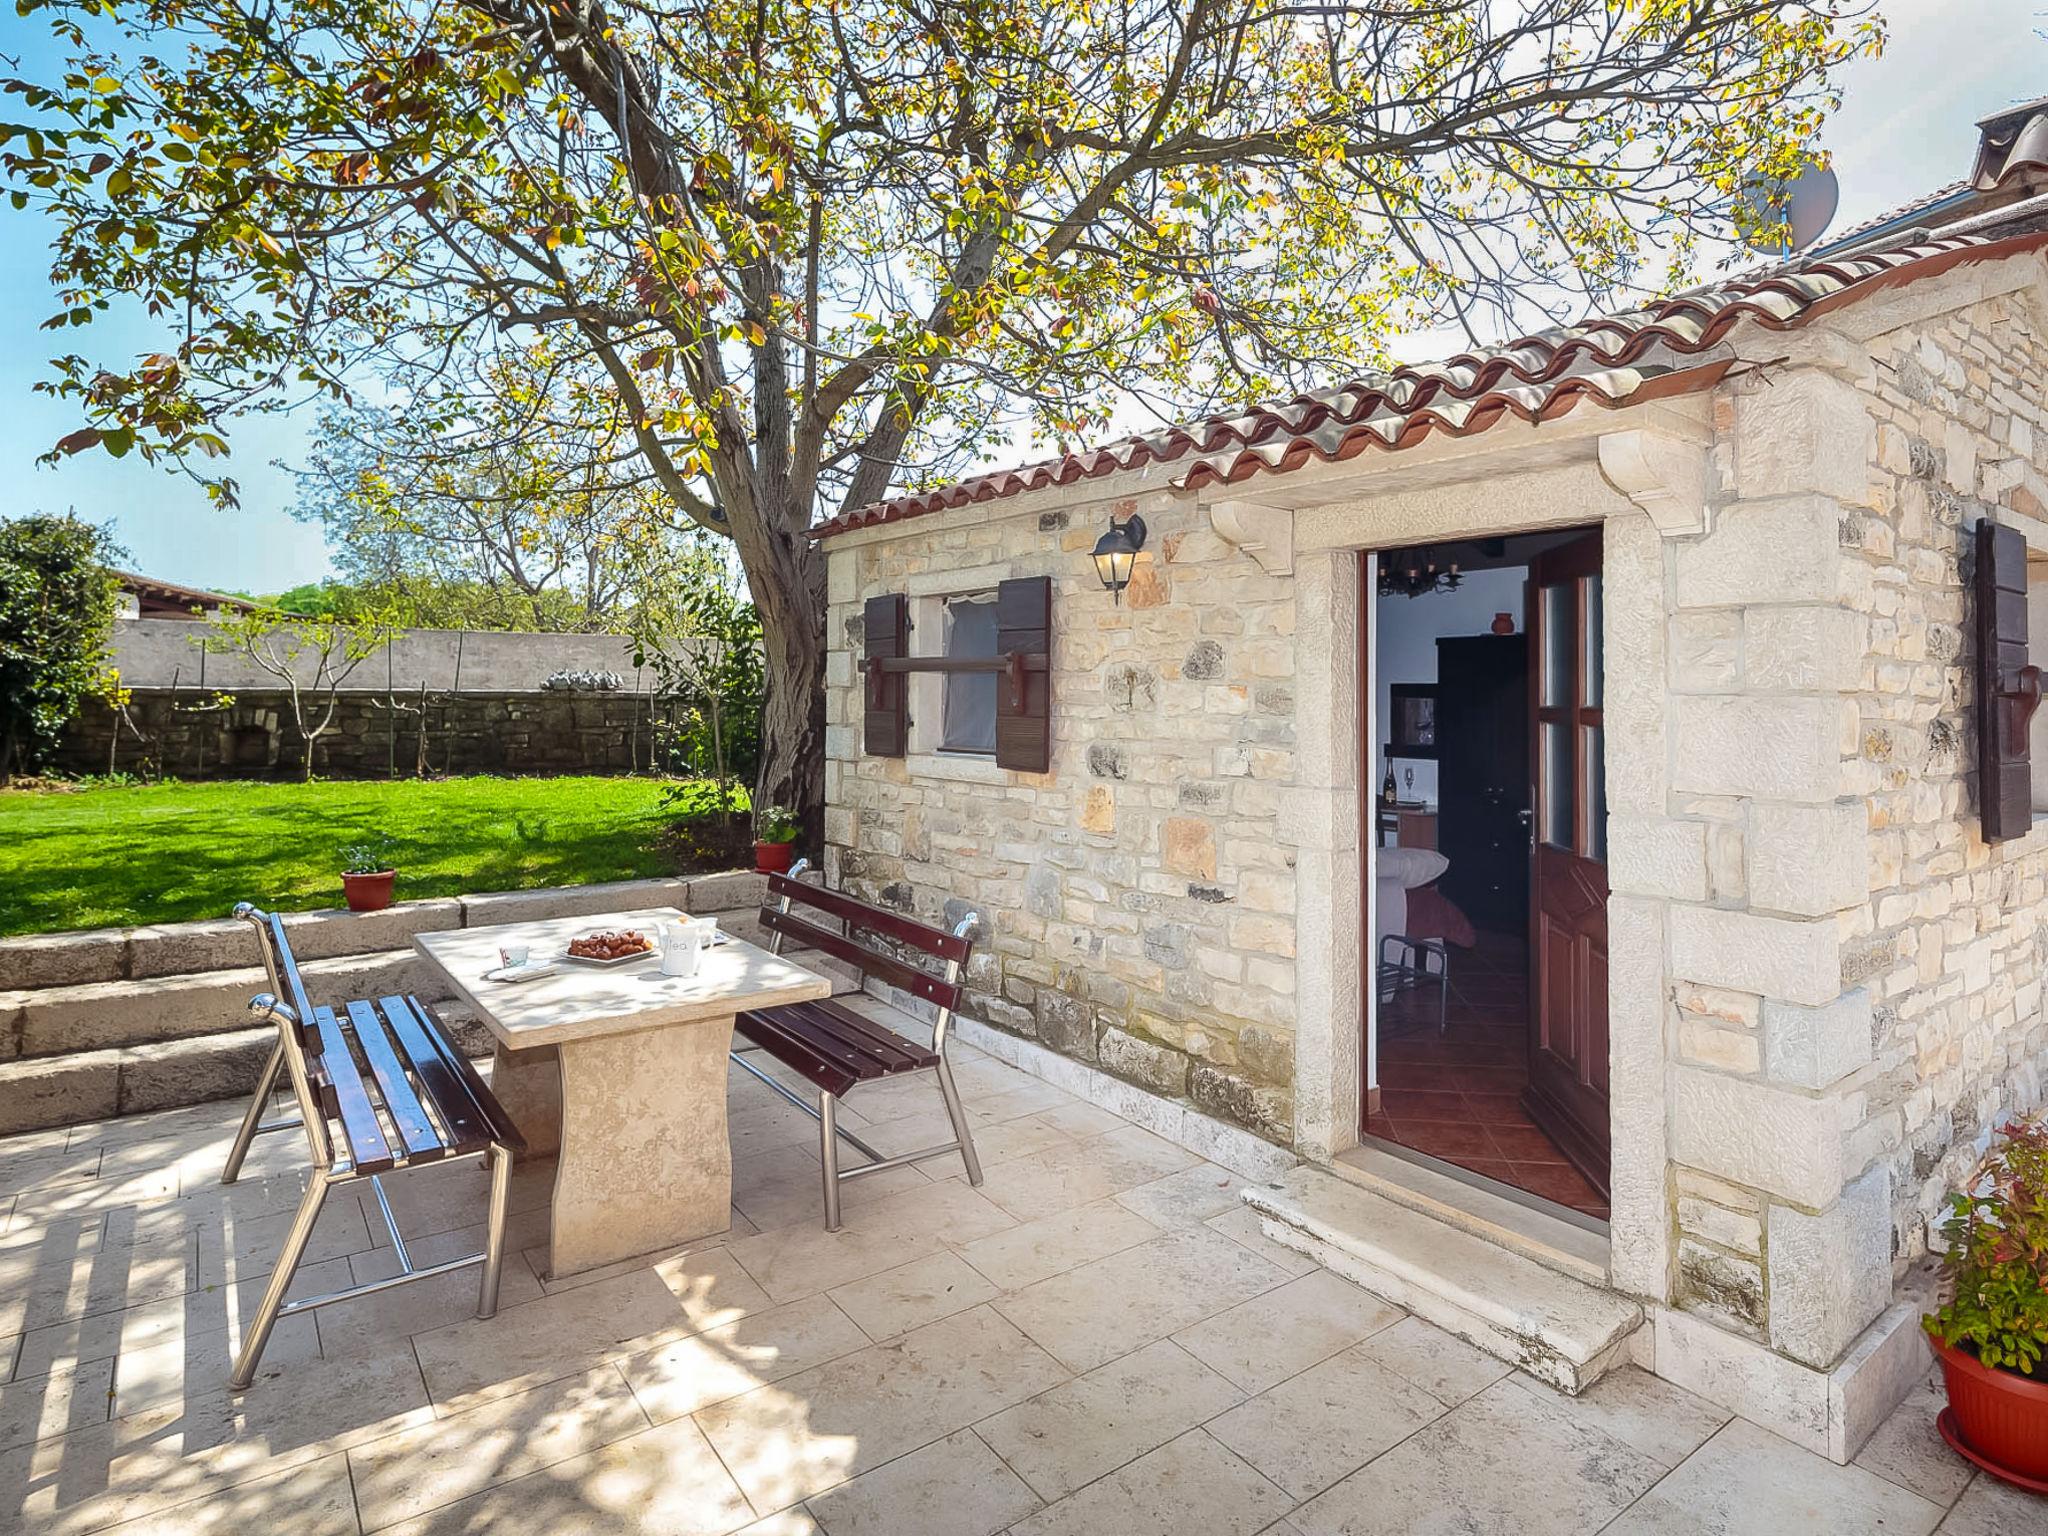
(582, 1002)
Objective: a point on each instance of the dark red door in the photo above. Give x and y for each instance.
(1567, 1093)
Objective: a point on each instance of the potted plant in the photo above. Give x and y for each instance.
(775, 835)
(366, 875)
(1993, 1328)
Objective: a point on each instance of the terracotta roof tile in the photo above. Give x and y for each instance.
(1611, 360)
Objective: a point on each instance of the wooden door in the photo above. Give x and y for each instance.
(1567, 1092)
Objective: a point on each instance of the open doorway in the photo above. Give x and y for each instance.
(1489, 943)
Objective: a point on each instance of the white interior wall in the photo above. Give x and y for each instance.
(1405, 652)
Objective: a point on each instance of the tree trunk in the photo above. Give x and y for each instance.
(790, 598)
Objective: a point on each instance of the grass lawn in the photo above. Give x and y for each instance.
(160, 853)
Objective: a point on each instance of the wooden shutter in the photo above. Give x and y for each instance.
(886, 723)
(1024, 696)
(2008, 687)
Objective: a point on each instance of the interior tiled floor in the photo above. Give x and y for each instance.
(1098, 1340)
(1457, 1094)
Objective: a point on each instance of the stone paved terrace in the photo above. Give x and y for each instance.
(1098, 1341)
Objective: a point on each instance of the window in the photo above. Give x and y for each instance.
(968, 708)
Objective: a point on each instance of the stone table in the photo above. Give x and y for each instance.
(624, 1070)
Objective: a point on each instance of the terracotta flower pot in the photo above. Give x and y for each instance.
(2000, 1417)
(773, 858)
(368, 893)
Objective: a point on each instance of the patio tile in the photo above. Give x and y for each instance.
(956, 1485)
(709, 1367)
(800, 1200)
(1991, 1508)
(190, 1365)
(1440, 1363)
(21, 1171)
(784, 1522)
(1034, 1250)
(416, 1470)
(536, 1256)
(1666, 1423)
(1506, 1463)
(1242, 1226)
(310, 1500)
(1081, 1121)
(373, 1321)
(799, 1437)
(1284, 1331)
(1109, 1307)
(179, 1453)
(191, 1315)
(1187, 1485)
(49, 1203)
(1747, 1479)
(1909, 1450)
(801, 1260)
(569, 1332)
(1185, 1198)
(1063, 1177)
(995, 1141)
(1312, 1429)
(70, 1397)
(660, 1482)
(1081, 1429)
(922, 1291)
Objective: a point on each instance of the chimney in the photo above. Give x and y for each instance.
(2012, 150)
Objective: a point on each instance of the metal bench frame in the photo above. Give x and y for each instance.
(333, 1165)
(826, 1111)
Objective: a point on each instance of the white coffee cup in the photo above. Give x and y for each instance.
(682, 945)
(512, 956)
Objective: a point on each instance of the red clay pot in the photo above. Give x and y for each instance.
(368, 893)
(2001, 1416)
(773, 858)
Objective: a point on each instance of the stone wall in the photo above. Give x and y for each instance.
(1140, 902)
(1952, 939)
(370, 737)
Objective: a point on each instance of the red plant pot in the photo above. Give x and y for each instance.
(368, 893)
(773, 858)
(2001, 1417)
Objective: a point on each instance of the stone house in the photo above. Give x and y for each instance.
(1786, 966)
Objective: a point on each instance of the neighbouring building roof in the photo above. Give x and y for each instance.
(156, 599)
(1624, 358)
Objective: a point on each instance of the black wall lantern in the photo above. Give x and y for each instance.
(1116, 552)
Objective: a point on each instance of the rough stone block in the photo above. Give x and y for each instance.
(1723, 1283)
(1807, 431)
(1652, 856)
(1742, 1375)
(64, 1091)
(1786, 748)
(1752, 1133)
(483, 911)
(62, 959)
(1268, 1111)
(1807, 649)
(1830, 1274)
(173, 1073)
(1150, 1066)
(734, 890)
(1808, 859)
(1782, 551)
(1813, 1047)
(1775, 957)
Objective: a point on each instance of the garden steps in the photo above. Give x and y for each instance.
(37, 1093)
(1559, 1329)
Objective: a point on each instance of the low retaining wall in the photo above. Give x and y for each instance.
(373, 735)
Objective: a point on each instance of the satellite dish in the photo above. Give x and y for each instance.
(1768, 209)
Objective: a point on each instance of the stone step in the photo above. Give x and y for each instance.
(102, 1015)
(48, 1091)
(43, 960)
(1558, 1329)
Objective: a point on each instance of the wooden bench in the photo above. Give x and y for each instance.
(381, 1086)
(834, 1047)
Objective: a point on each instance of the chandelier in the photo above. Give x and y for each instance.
(1415, 573)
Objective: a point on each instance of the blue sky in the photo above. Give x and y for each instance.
(1906, 126)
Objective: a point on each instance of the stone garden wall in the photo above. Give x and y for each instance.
(1140, 902)
(372, 735)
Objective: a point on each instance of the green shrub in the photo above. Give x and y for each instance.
(1997, 1231)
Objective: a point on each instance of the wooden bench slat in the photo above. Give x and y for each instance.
(502, 1128)
(825, 1073)
(368, 1148)
(468, 1126)
(905, 930)
(898, 973)
(415, 1126)
(821, 1042)
(904, 1054)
